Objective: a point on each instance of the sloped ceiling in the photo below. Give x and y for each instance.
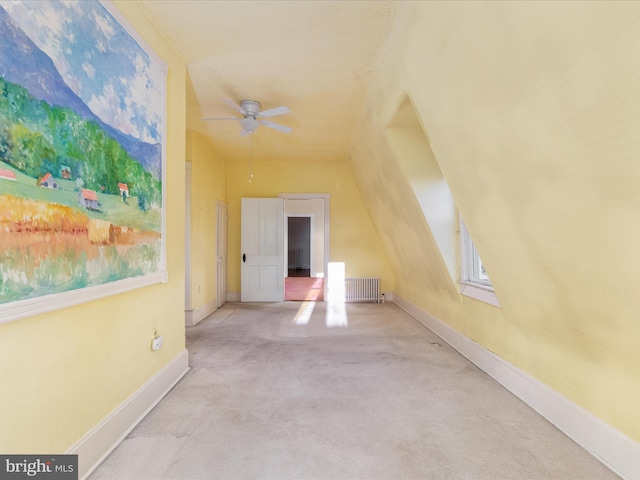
(315, 57)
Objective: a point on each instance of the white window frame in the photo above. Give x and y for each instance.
(473, 282)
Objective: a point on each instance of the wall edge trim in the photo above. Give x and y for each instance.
(200, 313)
(104, 437)
(611, 447)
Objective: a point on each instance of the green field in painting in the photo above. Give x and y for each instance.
(112, 209)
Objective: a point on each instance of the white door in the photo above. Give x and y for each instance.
(262, 250)
(221, 265)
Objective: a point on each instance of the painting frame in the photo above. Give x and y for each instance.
(48, 302)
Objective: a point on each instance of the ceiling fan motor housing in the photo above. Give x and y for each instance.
(251, 107)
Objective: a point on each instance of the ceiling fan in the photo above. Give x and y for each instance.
(252, 117)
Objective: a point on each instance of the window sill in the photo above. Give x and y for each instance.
(479, 292)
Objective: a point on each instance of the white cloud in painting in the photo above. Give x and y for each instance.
(104, 24)
(109, 103)
(50, 20)
(73, 4)
(101, 46)
(98, 60)
(89, 70)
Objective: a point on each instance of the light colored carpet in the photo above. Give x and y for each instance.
(219, 315)
(280, 391)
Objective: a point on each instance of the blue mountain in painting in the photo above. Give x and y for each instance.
(23, 63)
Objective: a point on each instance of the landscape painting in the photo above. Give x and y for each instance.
(82, 120)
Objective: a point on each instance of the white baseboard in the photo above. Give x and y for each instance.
(194, 316)
(102, 439)
(611, 447)
(233, 296)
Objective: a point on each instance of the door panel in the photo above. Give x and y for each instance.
(262, 250)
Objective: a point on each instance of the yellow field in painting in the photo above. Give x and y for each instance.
(24, 215)
(49, 248)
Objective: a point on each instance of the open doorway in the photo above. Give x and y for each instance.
(299, 246)
(305, 249)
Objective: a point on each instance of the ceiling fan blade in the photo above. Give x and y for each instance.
(235, 106)
(206, 119)
(276, 126)
(272, 112)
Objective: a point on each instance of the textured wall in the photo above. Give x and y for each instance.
(531, 111)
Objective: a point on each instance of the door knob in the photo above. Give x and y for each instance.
(244, 257)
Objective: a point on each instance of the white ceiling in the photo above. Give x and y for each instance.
(315, 57)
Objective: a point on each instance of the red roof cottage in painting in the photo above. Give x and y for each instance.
(48, 181)
(7, 174)
(88, 199)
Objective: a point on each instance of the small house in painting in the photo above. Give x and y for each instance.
(65, 172)
(88, 199)
(7, 175)
(48, 181)
(124, 191)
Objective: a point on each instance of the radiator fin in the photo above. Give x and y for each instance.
(362, 289)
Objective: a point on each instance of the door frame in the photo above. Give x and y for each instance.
(222, 264)
(327, 222)
(187, 241)
(311, 218)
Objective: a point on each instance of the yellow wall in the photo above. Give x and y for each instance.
(416, 160)
(353, 237)
(528, 109)
(208, 184)
(63, 372)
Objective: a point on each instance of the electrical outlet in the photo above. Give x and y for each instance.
(156, 343)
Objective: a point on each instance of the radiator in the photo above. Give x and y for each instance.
(362, 289)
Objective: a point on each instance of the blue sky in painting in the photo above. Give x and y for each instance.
(98, 60)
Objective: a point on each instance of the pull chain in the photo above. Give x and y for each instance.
(251, 157)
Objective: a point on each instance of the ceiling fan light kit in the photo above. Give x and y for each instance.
(253, 117)
(249, 124)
